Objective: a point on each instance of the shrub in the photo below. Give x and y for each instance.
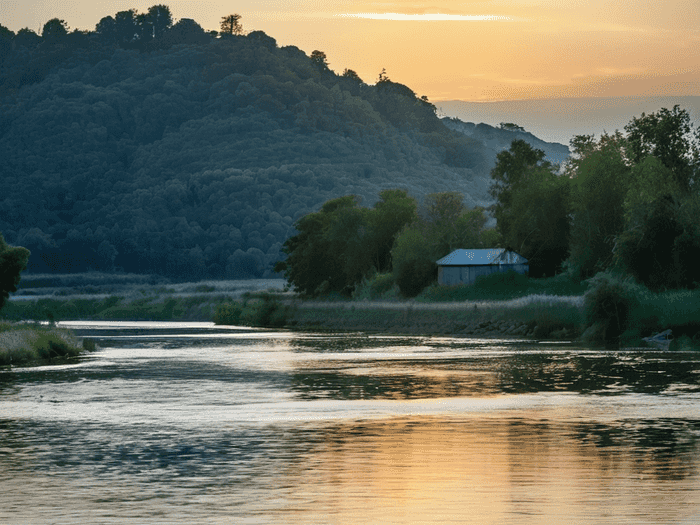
(378, 285)
(228, 313)
(266, 311)
(608, 305)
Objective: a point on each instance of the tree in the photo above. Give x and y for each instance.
(160, 18)
(661, 245)
(389, 216)
(600, 178)
(54, 30)
(13, 261)
(531, 207)
(319, 59)
(509, 126)
(668, 136)
(125, 26)
(352, 75)
(106, 30)
(231, 25)
(27, 38)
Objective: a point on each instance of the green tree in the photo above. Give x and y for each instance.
(231, 24)
(531, 207)
(414, 266)
(667, 135)
(394, 210)
(342, 243)
(600, 178)
(660, 243)
(13, 261)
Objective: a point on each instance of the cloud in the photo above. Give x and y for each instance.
(427, 17)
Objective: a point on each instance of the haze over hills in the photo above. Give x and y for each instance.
(191, 155)
(559, 120)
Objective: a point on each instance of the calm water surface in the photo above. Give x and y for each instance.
(191, 423)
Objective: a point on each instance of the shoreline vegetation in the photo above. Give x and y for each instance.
(29, 343)
(607, 311)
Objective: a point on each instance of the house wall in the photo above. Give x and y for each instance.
(452, 275)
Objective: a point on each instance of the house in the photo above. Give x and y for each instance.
(464, 266)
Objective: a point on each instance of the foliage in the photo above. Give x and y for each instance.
(414, 265)
(600, 181)
(660, 246)
(379, 285)
(23, 344)
(13, 260)
(342, 243)
(510, 126)
(531, 207)
(668, 136)
(117, 146)
(444, 224)
(608, 306)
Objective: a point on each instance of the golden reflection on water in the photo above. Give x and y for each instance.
(524, 471)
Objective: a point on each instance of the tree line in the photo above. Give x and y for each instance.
(625, 202)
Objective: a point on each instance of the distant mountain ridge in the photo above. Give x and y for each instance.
(497, 139)
(194, 160)
(559, 120)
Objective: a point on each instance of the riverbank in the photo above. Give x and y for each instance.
(534, 317)
(22, 344)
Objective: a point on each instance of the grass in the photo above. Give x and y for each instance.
(22, 344)
(503, 286)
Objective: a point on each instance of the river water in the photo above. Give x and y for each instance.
(192, 423)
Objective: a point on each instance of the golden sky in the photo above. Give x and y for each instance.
(447, 50)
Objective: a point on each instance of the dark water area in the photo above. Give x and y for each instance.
(192, 423)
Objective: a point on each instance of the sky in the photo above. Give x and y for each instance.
(490, 50)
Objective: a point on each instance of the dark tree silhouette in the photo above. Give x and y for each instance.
(13, 260)
(231, 24)
(54, 30)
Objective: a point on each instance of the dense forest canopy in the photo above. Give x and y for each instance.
(149, 145)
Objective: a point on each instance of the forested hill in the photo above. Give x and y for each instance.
(192, 154)
(497, 139)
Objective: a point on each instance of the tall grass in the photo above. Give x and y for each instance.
(21, 343)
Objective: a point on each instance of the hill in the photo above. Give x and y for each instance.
(191, 155)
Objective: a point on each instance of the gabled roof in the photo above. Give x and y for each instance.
(463, 257)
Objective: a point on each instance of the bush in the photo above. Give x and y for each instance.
(266, 311)
(228, 313)
(608, 305)
(379, 285)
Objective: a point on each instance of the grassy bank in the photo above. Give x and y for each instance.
(22, 344)
(97, 296)
(534, 316)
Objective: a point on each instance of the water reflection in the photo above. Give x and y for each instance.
(195, 424)
(404, 470)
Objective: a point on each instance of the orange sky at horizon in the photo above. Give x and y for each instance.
(472, 50)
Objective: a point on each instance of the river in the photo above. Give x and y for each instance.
(194, 423)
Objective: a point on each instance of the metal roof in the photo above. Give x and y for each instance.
(480, 257)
